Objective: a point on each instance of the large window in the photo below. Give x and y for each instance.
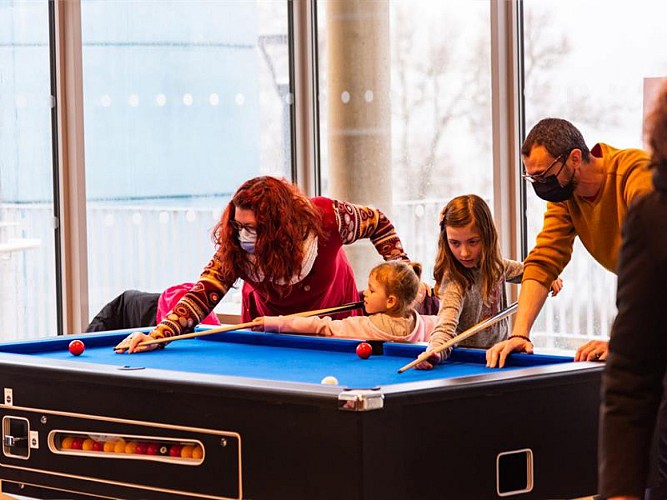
(588, 62)
(27, 248)
(405, 91)
(184, 100)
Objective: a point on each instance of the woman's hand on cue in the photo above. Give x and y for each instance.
(134, 343)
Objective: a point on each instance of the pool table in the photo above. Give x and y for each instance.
(244, 415)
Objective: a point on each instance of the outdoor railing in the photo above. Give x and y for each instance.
(151, 248)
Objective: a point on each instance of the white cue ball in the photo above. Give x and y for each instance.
(329, 380)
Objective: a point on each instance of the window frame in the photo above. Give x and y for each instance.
(68, 133)
(68, 136)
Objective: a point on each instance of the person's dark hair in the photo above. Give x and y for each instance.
(400, 279)
(558, 136)
(461, 212)
(285, 218)
(655, 129)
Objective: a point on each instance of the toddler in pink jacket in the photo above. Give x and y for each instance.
(388, 301)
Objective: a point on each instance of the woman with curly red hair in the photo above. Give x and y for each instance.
(287, 249)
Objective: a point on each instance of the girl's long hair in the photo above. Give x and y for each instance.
(285, 218)
(460, 212)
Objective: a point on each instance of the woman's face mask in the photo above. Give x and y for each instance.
(247, 239)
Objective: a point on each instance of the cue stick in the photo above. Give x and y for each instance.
(462, 336)
(345, 307)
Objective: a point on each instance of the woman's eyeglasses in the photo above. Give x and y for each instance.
(542, 178)
(238, 226)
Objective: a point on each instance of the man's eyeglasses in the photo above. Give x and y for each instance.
(542, 177)
(238, 226)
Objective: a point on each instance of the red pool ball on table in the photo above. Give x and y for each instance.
(76, 347)
(364, 350)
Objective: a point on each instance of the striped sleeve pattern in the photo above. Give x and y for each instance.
(357, 222)
(195, 305)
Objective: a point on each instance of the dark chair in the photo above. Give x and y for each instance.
(131, 309)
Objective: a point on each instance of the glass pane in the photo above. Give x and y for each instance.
(405, 111)
(589, 68)
(179, 111)
(27, 248)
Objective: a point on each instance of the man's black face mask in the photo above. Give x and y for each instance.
(551, 190)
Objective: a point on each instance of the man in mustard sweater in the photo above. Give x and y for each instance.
(588, 194)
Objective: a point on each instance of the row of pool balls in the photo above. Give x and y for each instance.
(132, 447)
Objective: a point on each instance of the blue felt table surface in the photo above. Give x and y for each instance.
(288, 358)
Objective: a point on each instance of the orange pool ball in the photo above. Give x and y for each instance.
(131, 447)
(66, 443)
(87, 444)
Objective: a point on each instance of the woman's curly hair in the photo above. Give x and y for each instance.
(285, 218)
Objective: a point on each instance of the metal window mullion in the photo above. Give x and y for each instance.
(304, 84)
(69, 171)
(507, 119)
